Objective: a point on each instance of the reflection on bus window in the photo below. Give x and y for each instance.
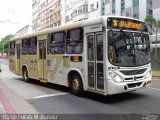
(128, 49)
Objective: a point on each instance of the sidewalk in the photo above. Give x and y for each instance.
(11, 103)
(156, 74)
(5, 106)
(3, 57)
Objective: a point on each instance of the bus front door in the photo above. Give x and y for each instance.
(18, 59)
(95, 53)
(42, 58)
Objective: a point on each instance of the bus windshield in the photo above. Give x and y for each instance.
(128, 49)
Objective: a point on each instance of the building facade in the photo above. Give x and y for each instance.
(46, 14)
(23, 31)
(131, 8)
(51, 13)
(75, 10)
(156, 9)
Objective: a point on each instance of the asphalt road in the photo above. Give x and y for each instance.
(54, 99)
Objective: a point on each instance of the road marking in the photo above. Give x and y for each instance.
(50, 95)
(154, 88)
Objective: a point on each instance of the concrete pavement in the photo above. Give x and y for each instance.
(12, 103)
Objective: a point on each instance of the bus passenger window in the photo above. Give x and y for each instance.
(32, 48)
(12, 48)
(75, 41)
(57, 43)
(25, 44)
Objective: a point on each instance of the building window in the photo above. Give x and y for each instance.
(51, 26)
(113, 7)
(55, 24)
(59, 23)
(92, 7)
(51, 17)
(57, 43)
(67, 18)
(75, 41)
(82, 9)
(59, 13)
(149, 12)
(122, 7)
(74, 13)
(136, 9)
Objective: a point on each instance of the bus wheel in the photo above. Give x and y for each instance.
(76, 85)
(25, 75)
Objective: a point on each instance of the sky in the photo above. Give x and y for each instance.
(14, 14)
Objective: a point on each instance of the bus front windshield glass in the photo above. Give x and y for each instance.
(128, 49)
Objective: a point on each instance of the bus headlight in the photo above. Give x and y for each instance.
(116, 78)
(148, 74)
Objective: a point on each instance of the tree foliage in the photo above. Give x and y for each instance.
(153, 23)
(4, 43)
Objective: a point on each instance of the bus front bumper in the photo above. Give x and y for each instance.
(115, 88)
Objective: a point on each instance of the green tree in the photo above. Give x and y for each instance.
(4, 43)
(155, 26)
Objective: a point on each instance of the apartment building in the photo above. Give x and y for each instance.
(51, 13)
(46, 14)
(24, 30)
(75, 10)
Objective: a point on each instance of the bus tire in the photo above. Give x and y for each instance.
(77, 85)
(25, 75)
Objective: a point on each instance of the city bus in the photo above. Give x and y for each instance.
(106, 55)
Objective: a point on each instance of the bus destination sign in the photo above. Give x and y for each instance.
(126, 24)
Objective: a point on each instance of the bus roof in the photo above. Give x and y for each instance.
(92, 21)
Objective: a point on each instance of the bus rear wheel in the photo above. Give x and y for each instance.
(25, 75)
(77, 85)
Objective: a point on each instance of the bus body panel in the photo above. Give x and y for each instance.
(55, 68)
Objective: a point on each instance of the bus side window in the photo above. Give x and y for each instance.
(57, 43)
(25, 44)
(32, 48)
(12, 48)
(74, 43)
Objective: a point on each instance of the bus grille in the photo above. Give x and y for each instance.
(134, 72)
(132, 78)
(134, 85)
